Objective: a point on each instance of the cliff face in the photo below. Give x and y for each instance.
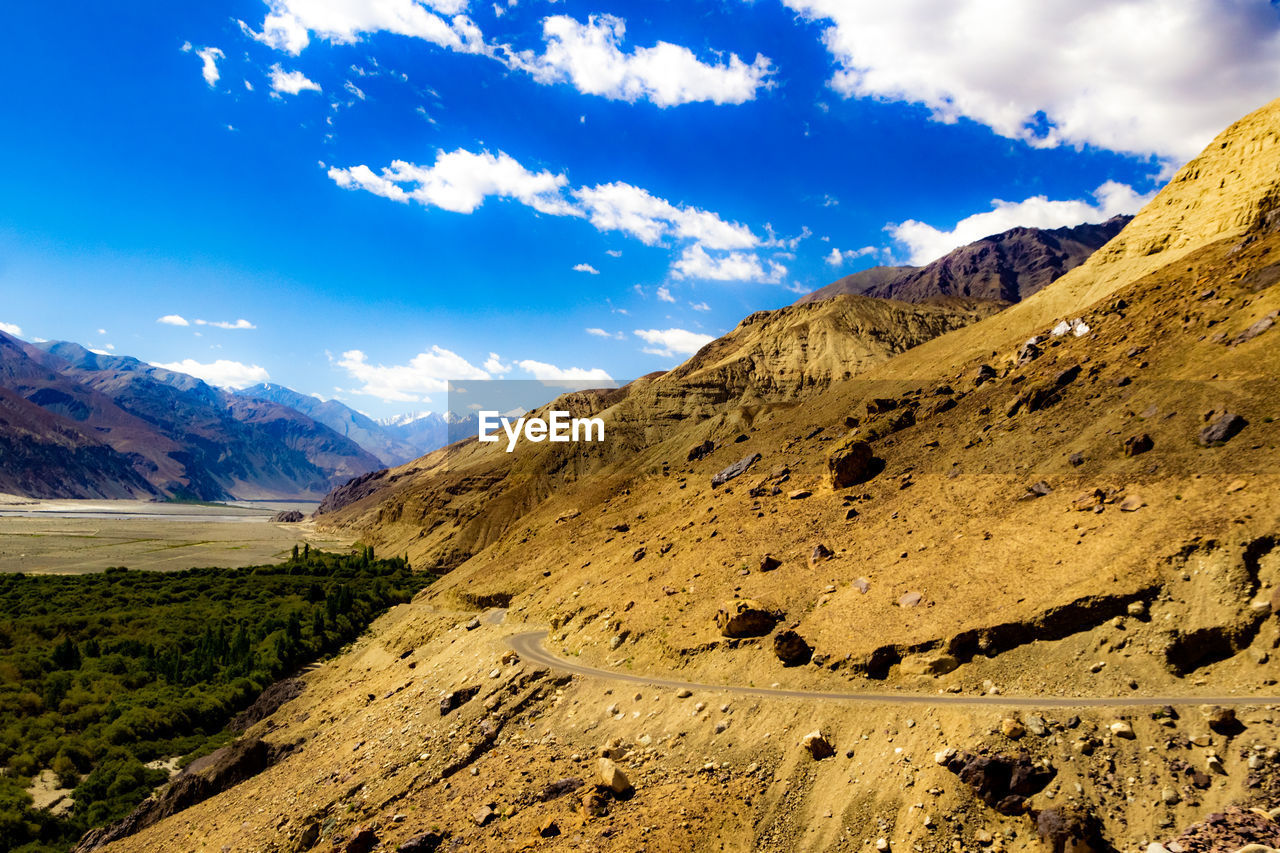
(1005, 267)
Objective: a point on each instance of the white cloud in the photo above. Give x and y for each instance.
(664, 295)
(209, 57)
(586, 268)
(353, 89)
(622, 207)
(669, 342)
(925, 243)
(218, 324)
(601, 333)
(837, 258)
(460, 181)
(426, 373)
(1143, 76)
(11, 329)
(613, 253)
(494, 365)
(291, 82)
(290, 23)
(589, 56)
(173, 320)
(734, 266)
(699, 306)
(542, 370)
(223, 372)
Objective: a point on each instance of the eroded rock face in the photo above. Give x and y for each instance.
(288, 516)
(745, 618)
(849, 463)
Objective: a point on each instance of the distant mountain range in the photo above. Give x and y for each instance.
(78, 424)
(1007, 267)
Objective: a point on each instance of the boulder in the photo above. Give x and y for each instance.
(820, 553)
(1070, 829)
(1223, 721)
(769, 562)
(849, 463)
(910, 599)
(818, 745)
(791, 648)
(425, 842)
(482, 815)
(1222, 428)
(862, 585)
(744, 617)
(559, 788)
(456, 699)
(887, 424)
(612, 777)
(362, 840)
(1136, 445)
(1256, 329)
(737, 469)
(700, 450)
(288, 516)
(1001, 781)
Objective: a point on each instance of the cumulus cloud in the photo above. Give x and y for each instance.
(590, 57)
(223, 372)
(291, 82)
(699, 306)
(669, 342)
(494, 365)
(542, 370)
(11, 329)
(694, 262)
(173, 320)
(426, 373)
(1142, 77)
(664, 295)
(289, 24)
(460, 181)
(587, 268)
(925, 243)
(837, 258)
(209, 57)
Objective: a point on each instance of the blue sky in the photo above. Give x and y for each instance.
(364, 200)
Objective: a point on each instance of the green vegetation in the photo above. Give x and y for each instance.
(102, 673)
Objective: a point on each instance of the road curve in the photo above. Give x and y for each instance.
(529, 646)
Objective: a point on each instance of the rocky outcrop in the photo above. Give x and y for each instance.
(745, 618)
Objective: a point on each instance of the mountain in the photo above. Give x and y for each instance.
(978, 595)
(177, 435)
(1007, 267)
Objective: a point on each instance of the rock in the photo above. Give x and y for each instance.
(928, 663)
(882, 844)
(862, 585)
(1122, 729)
(1036, 725)
(887, 424)
(1223, 721)
(1038, 490)
(1237, 486)
(1075, 460)
(1136, 445)
(985, 373)
(1137, 609)
(880, 405)
(638, 555)
(909, 600)
(799, 494)
(473, 624)
(700, 450)
(1070, 830)
(849, 463)
(1001, 781)
(1132, 503)
(744, 617)
(1169, 796)
(1256, 329)
(684, 693)
(559, 788)
(791, 648)
(362, 840)
(1012, 728)
(818, 745)
(457, 698)
(1089, 501)
(1213, 763)
(819, 553)
(850, 514)
(612, 777)
(288, 516)
(737, 469)
(425, 842)
(769, 562)
(1224, 427)
(548, 828)
(482, 815)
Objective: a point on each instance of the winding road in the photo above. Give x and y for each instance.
(529, 646)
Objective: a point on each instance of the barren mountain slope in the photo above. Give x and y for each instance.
(1051, 521)
(1008, 266)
